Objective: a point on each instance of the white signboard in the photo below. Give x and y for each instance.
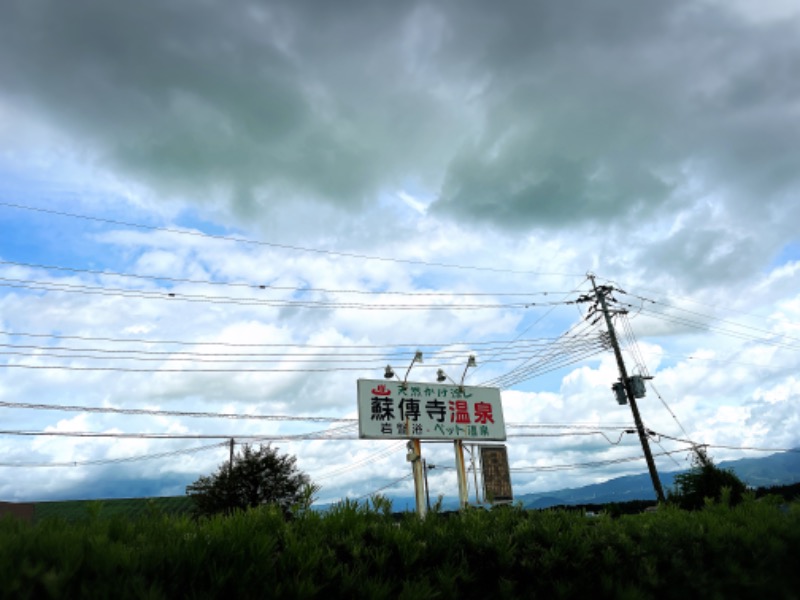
(428, 411)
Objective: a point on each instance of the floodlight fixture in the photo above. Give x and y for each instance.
(417, 359)
(389, 372)
(441, 376)
(470, 363)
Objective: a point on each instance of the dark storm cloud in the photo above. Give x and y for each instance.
(617, 110)
(236, 97)
(520, 114)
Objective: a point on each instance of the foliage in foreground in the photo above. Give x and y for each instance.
(256, 477)
(706, 480)
(748, 551)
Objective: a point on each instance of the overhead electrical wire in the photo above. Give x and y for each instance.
(344, 358)
(656, 309)
(260, 417)
(694, 444)
(536, 322)
(632, 345)
(573, 346)
(590, 465)
(516, 350)
(569, 434)
(669, 410)
(269, 286)
(247, 241)
(173, 413)
(369, 459)
(343, 432)
(551, 366)
(385, 487)
(111, 461)
(669, 296)
(545, 340)
(274, 303)
(206, 359)
(776, 341)
(161, 369)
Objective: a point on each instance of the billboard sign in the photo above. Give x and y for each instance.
(496, 475)
(429, 411)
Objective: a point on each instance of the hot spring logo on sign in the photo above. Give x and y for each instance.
(390, 410)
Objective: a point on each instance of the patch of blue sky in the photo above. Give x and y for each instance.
(788, 254)
(194, 220)
(45, 238)
(39, 238)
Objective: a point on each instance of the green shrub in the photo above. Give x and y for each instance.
(363, 551)
(706, 481)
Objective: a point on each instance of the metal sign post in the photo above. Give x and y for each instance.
(461, 470)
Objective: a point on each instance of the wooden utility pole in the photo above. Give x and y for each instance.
(600, 294)
(230, 460)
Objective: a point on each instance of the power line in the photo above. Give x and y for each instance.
(668, 408)
(386, 487)
(569, 434)
(283, 356)
(273, 303)
(589, 465)
(537, 321)
(656, 309)
(722, 446)
(315, 435)
(573, 346)
(248, 416)
(371, 458)
(172, 413)
(110, 461)
(273, 345)
(255, 286)
(725, 361)
(724, 307)
(247, 241)
(361, 368)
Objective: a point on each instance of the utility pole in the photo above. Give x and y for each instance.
(230, 460)
(600, 294)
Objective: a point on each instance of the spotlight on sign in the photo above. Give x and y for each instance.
(471, 362)
(417, 359)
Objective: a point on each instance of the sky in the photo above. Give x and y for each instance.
(241, 208)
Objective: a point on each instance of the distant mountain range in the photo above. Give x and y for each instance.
(776, 469)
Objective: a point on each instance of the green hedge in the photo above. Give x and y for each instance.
(750, 551)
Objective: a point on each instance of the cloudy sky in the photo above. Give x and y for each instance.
(243, 207)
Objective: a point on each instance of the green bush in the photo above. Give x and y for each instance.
(707, 481)
(255, 477)
(363, 551)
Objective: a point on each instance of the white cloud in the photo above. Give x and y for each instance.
(534, 143)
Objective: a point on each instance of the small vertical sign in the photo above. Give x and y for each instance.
(496, 475)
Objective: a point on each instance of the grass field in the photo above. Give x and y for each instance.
(76, 510)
